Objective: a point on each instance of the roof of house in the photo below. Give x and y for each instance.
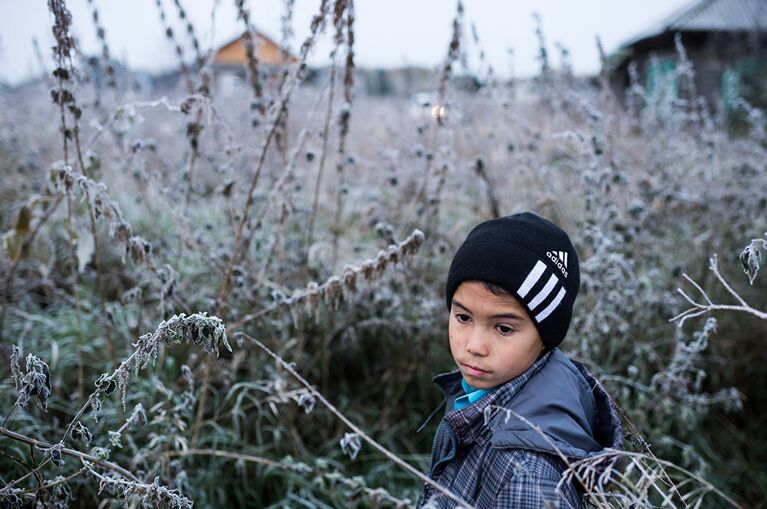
(234, 39)
(710, 15)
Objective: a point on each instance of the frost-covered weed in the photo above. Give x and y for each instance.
(35, 382)
(229, 211)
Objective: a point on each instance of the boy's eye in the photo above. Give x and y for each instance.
(462, 317)
(504, 329)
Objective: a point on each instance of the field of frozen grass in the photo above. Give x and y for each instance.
(236, 299)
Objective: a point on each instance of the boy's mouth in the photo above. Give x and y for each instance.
(473, 370)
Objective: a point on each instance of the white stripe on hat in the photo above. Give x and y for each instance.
(550, 284)
(551, 307)
(565, 258)
(532, 278)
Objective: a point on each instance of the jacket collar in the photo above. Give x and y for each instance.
(469, 422)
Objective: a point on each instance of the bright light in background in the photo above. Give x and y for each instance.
(387, 34)
(439, 113)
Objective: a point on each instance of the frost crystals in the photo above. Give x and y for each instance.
(351, 444)
(35, 382)
(751, 258)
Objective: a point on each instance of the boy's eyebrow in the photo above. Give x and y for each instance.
(511, 316)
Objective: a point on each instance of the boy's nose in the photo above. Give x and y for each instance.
(476, 344)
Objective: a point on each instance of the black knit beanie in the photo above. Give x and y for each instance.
(530, 257)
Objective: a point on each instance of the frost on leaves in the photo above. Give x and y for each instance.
(751, 258)
(199, 329)
(36, 382)
(351, 444)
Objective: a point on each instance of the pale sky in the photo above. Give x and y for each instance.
(388, 32)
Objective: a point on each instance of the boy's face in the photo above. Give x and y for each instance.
(492, 337)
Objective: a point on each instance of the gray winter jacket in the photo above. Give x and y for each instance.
(491, 458)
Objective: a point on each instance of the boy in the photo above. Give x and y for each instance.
(510, 292)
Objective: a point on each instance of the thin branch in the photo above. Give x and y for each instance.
(54, 483)
(393, 457)
(337, 287)
(715, 269)
(697, 286)
(698, 308)
(65, 450)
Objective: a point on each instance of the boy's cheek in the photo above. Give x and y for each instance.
(453, 341)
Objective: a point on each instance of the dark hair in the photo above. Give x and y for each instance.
(491, 287)
(495, 289)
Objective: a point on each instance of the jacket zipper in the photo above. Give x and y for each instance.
(450, 455)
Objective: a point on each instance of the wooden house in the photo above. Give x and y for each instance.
(725, 40)
(230, 61)
(234, 52)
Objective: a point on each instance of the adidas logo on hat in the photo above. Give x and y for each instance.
(560, 260)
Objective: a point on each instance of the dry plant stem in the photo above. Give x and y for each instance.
(278, 186)
(700, 308)
(176, 46)
(277, 189)
(65, 450)
(649, 452)
(191, 162)
(410, 244)
(66, 69)
(67, 433)
(225, 454)
(253, 316)
(193, 156)
(393, 457)
(274, 124)
(32, 467)
(35, 471)
(337, 214)
(78, 320)
(96, 250)
(342, 24)
(14, 458)
(206, 367)
(604, 70)
(673, 466)
(10, 412)
(243, 13)
(163, 101)
(452, 55)
(136, 483)
(450, 58)
(54, 483)
(254, 459)
(105, 53)
(323, 156)
(80, 412)
(495, 209)
(100, 287)
(62, 51)
(225, 288)
(420, 197)
(190, 32)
